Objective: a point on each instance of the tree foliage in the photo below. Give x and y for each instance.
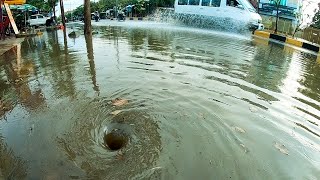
(302, 15)
(42, 5)
(142, 6)
(316, 19)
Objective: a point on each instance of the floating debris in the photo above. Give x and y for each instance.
(31, 129)
(116, 112)
(253, 109)
(239, 129)
(246, 150)
(18, 80)
(119, 102)
(282, 148)
(120, 155)
(74, 34)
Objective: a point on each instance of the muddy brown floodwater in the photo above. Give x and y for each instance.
(158, 101)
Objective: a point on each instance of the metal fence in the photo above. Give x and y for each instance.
(284, 26)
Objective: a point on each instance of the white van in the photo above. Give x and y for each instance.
(37, 20)
(239, 11)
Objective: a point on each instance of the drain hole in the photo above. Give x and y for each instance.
(115, 139)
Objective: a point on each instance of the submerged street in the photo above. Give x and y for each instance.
(192, 104)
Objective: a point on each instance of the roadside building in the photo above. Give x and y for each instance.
(287, 14)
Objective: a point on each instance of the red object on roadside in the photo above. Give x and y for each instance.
(60, 27)
(5, 22)
(4, 25)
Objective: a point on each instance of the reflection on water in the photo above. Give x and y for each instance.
(11, 167)
(89, 45)
(200, 104)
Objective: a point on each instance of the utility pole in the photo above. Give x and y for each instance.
(54, 10)
(64, 25)
(62, 14)
(116, 9)
(87, 18)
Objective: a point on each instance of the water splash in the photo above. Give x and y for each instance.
(199, 21)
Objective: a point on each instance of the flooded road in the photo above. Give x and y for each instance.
(190, 103)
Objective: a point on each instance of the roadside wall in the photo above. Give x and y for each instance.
(285, 26)
(311, 34)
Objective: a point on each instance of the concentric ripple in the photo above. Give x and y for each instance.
(85, 142)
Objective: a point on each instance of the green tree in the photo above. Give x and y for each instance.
(316, 19)
(302, 15)
(141, 5)
(78, 11)
(47, 5)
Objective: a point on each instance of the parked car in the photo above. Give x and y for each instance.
(37, 20)
(103, 15)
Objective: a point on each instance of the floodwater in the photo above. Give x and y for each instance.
(190, 104)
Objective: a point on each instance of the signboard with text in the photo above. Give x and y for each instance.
(15, 2)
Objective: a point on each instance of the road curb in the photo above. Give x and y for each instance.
(288, 40)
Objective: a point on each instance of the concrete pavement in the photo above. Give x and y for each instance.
(9, 43)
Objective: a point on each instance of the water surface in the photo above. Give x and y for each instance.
(201, 105)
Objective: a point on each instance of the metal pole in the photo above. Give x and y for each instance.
(25, 19)
(1, 21)
(116, 9)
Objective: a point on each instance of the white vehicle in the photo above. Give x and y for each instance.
(235, 11)
(37, 20)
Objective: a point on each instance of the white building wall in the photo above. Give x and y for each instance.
(264, 1)
(291, 3)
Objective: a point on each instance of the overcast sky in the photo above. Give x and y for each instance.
(69, 5)
(309, 10)
(72, 4)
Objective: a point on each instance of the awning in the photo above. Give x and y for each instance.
(25, 7)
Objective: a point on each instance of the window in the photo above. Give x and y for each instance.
(182, 2)
(194, 2)
(282, 2)
(233, 3)
(40, 17)
(205, 3)
(33, 17)
(215, 3)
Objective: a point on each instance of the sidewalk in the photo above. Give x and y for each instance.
(9, 43)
